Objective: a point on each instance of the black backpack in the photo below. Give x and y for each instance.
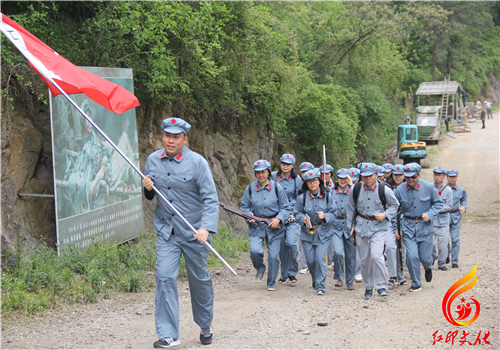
(357, 189)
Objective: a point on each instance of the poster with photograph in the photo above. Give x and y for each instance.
(97, 193)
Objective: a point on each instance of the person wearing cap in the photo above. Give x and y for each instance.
(442, 222)
(395, 265)
(304, 166)
(420, 204)
(380, 174)
(343, 246)
(266, 199)
(387, 170)
(184, 177)
(314, 203)
(326, 177)
(354, 174)
(459, 207)
(291, 183)
(372, 220)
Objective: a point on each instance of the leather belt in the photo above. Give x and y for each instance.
(341, 217)
(371, 218)
(267, 217)
(453, 211)
(414, 218)
(316, 223)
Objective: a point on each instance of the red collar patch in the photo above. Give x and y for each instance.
(179, 157)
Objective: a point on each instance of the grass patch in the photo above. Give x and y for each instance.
(34, 282)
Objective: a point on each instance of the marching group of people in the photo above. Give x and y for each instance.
(362, 204)
(370, 214)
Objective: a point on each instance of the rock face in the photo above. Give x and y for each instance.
(27, 168)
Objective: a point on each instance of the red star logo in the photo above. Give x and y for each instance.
(310, 174)
(462, 300)
(258, 163)
(173, 121)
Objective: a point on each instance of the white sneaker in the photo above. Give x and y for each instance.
(358, 278)
(166, 343)
(304, 271)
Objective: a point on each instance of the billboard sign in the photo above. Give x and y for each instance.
(97, 193)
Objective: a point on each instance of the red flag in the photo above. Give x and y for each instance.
(72, 79)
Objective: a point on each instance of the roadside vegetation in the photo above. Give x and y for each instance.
(40, 280)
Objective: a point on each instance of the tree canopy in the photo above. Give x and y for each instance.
(314, 73)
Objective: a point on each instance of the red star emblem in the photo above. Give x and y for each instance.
(173, 121)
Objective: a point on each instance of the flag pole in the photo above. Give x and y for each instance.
(139, 172)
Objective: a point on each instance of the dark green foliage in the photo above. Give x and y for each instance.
(274, 65)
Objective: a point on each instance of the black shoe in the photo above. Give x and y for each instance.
(443, 268)
(428, 275)
(166, 343)
(282, 280)
(392, 281)
(292, 279)
(415, 289)
(448, 260)
(206, 340)
(455, 266)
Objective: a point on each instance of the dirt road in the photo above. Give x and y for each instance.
(248, 316)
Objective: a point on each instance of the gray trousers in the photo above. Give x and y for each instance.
(169, 253)
(393, 262)
(440, 249)
(371, 254)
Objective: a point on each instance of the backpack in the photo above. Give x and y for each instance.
(357, 189)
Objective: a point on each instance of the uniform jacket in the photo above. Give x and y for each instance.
(341, 199)
(263, 202)
(443, 219)
(311, 206)
(290, 185)
(459, 200)
(416, 201)
(369, 203)
(186, 181)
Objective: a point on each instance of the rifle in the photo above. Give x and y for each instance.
(353, 223)
(246, 215)
(400, 253)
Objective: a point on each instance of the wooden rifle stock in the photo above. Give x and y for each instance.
(247, 216)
